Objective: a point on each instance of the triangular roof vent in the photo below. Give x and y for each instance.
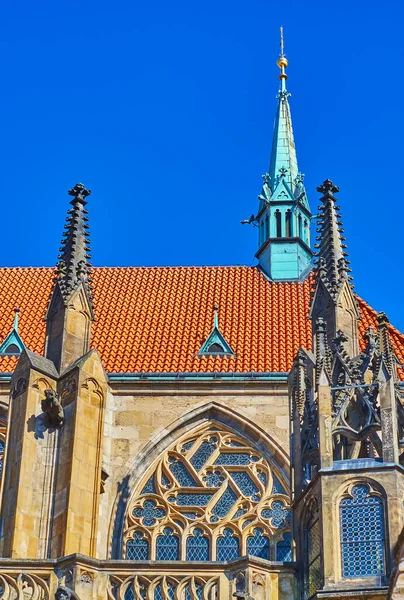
(215, 344)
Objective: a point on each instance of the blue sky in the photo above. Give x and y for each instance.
(165, 110)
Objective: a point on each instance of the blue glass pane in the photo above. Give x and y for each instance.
(284, 549)
(204, 452)
(197, 546)
(129, 595)
(214, 479)
(277, 487)
(165, 481)
(227, 547)
(149, 513)
(149, 488)
(191, 499)
(362, 534)
(239, 513)
(138, 548)
(2, 445)
(258, 544)
(167, 546)
(262, 477)
(224, 504)
(171, 591)
(235, 444)
(245, 483)
(236, 458)
(278, 514)
(158, 593)
(187, 446)
(182, 474)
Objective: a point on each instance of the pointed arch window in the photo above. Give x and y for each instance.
(168, 545)
(266, 227)
(201, 494)
(288, 223)
(278, 222)
(362, 533)
(258, 544)
(284, 548)
(300, 226)
(198, 546)
(228, 546)
(313, 575)
(137, 548)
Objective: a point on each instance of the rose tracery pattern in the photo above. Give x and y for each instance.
(212, 496)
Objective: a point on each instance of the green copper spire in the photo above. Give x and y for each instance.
(283, 155)
(284, 216)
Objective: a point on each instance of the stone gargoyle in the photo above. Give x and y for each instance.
(52, 408)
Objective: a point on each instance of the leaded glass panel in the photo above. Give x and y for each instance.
(228, 546)
(258, 544)
(198, 546)
(362, 534)
(137, 548)
(284, 548)
(167, 546)
(214, 478)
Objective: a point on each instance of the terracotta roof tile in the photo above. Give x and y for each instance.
(156, 319)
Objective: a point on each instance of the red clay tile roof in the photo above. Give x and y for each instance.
(156, 319)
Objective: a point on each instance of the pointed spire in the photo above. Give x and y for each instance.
(283, 162)
(74, 267)
(331, 256)
(385, 345)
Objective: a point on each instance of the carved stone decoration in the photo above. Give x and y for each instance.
(53, 409)
(23, 586)
(19, 387)
(85, 578)
(65, 593)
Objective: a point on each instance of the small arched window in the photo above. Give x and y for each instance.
(258, 544)
(262, 232)
(288, 224)
(167, 546)
(278, 220)
(306, 231)
(197, 546)
(137, 548)
(362, 534)
(227, 546)
(12, 349)
(215, 348)
(266, 227)
(300, 226)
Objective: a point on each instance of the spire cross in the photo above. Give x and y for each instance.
(282, 53)
(79, 193)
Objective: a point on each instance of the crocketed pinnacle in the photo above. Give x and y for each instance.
(331, 256)
(73, 267)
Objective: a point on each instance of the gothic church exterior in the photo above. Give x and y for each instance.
(202, 433)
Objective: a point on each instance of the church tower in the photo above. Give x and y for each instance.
(284, 215)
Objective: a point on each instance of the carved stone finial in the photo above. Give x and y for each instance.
(340, 339)
(53, 409)
(79, 193)
(283, 171)
(382, 318)
(266, 178)
(299, 179)
(327, 187)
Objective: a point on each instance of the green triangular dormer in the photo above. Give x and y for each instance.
(215, 344)
(13, 343)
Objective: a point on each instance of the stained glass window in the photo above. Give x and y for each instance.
(362, 534)
(284, 548)
(137, 548)
(198, 546)
(258, 544)
(212, 477)
(167, 546)
(228, 546)
(2, 447)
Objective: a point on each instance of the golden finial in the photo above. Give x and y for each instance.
(282, 61)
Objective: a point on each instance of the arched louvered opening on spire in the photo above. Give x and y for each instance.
(278, 221)
(288, 223)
